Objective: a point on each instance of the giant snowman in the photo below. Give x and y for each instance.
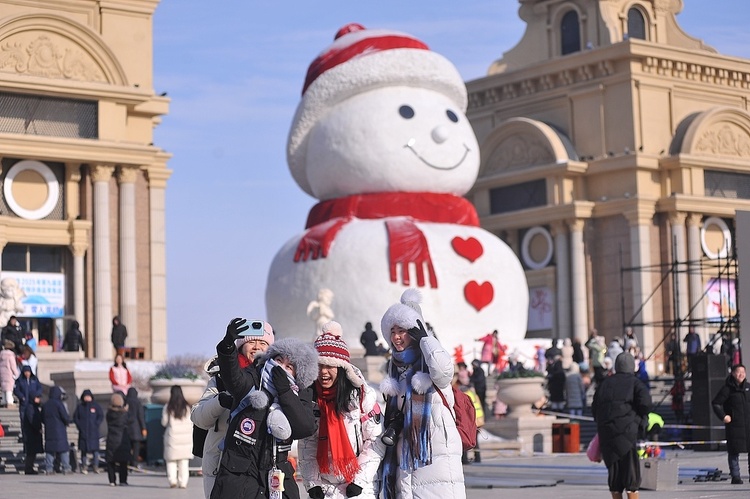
(381, 139)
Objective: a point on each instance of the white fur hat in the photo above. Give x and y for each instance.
(403, 314)
(362, 59)
(332, 351)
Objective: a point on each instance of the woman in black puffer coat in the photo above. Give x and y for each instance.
(732, 405)
(118, 440)
(620, 407)
(251, 449)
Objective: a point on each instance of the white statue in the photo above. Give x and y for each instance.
(320, 310)
(11, 299)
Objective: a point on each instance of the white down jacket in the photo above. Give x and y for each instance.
(363, 426)
(444, 478)
(208, 414)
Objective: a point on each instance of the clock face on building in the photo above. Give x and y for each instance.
(31, 189)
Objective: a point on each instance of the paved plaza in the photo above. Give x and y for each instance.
(558, 476)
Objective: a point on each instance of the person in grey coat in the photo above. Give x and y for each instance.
(732, 406)
(575, 391)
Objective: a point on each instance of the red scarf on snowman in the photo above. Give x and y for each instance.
(406, 243)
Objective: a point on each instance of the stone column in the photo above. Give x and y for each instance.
(72, 191)
(640, 219)
(100, 176)
(128, 283)
(578, 281)
(157, 177)
(79, 296)
(695, 274)
(562, 276)
(679, 246)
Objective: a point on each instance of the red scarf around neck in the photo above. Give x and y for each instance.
(335, 455)
(422, 206)
(406, 243)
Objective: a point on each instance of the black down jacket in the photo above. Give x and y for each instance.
(734, 399)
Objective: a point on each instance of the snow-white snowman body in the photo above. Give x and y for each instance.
(390, 160)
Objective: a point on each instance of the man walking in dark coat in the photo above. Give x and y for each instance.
(31, 426)
(26, 387)
(732, 405)
(73, 340)
(14, 332)
(137, 425)
(88, 416)
(56, 419)
(620, 407)
(479, 381)
(119, 333)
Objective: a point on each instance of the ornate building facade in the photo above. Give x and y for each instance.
(82, 204)
(616, 153)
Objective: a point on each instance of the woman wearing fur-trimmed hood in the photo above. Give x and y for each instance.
(283, 374)
(425, 461)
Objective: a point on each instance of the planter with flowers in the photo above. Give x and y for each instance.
(177, 372)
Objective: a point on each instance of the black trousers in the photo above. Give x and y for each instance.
(123, 469)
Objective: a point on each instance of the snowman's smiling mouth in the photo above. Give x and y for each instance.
(410, 145)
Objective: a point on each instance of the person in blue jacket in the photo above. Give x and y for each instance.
(56, 419)
(88, 416)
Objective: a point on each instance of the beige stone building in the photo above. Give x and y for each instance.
(616, 152)
(83, 185)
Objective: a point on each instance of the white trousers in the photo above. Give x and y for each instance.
(177, 473)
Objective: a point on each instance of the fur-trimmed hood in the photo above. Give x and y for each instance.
(302, 355)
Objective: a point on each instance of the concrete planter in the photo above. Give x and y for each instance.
(519, 394)
(191, 389)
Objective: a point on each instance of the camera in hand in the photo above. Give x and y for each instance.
(393, 429)
(255, 328)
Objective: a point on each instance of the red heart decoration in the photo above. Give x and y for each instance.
(479, 295)
(470, 248)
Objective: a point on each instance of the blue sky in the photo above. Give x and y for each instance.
(234, 72)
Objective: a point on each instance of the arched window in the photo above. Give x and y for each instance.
(636, 24)
(570, 33)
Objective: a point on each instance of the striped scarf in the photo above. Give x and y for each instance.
(416, 446)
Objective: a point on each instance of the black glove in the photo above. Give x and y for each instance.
(226, 400)
(419, 332)
(316, 492)
(235, 327)
(280, 380)
(353, 490)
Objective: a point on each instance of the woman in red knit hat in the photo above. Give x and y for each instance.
(341, 459)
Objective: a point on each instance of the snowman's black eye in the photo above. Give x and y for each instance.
(451, 116)
(406, 112)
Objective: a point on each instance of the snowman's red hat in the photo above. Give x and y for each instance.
(362, 59)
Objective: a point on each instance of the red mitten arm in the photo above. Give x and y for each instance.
(316, 242)
(407, 244)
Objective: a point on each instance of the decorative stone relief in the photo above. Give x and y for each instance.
(724, 139)
(518, 151)
(48, 55)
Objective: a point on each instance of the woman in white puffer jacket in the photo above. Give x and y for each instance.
(425, 462)
(341, 459)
